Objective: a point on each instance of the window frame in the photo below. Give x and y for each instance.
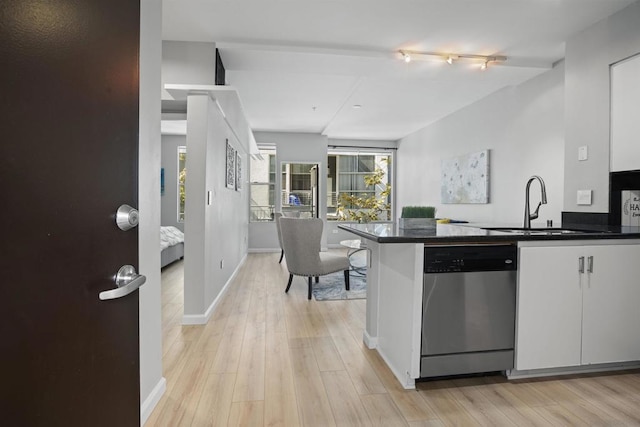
(390, 174)
(271, 184)
(314, 197)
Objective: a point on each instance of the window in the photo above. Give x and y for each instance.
(182, 178)
(359, 185)
(299, 192)
(262, 175)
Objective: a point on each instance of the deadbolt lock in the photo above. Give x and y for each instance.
(127, 217)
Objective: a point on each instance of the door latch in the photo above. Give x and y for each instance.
(127, 281)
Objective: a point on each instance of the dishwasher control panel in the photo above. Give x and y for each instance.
(466, 258)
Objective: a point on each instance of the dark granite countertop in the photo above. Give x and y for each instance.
(480, 233)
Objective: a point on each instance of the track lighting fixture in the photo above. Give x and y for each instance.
(451, 58)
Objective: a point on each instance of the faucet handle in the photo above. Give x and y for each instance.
(534, 215)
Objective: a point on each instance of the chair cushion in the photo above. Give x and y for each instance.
(330, 263)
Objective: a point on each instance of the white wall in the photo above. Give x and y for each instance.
(523, 128)
(217, 232)
(588, 57)
(170, 144)
(152, 384)
(188, 63)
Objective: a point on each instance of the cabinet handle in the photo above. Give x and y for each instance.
(590, 264)
(581, 264)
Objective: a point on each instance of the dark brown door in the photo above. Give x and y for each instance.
(68, 159)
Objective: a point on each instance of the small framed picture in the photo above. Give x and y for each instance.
(231, 167)
(238, 171)
(162, 181)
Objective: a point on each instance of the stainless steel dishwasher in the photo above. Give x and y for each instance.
(468, 309)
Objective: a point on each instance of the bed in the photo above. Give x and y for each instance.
(171, 245)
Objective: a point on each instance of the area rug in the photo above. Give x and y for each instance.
(331, 287)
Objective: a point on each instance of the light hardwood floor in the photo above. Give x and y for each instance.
(267, 358)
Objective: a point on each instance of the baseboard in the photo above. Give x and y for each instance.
(404, 379)
(369, 341)
(152, 400)
(514, 374)
(271, 250)
(262, 250)
(202, 319)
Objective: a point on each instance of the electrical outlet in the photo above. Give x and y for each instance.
(584, 197)
(334, 231)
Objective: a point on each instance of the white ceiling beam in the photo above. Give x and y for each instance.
(383, 54)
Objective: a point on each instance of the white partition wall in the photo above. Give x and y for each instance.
(216, 216)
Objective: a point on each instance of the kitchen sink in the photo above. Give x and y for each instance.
(543, 231)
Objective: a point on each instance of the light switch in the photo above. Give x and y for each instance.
(583, 153)
(584, 197)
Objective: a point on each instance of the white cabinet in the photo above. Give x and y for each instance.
(549, 308)
(611, 305)
(578, 305)
(625, 99)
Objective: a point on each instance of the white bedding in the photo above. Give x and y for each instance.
(170, 236)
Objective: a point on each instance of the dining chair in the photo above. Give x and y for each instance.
(301, 243)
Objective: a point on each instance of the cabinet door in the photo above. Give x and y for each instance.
(549, 310)
(611, 321)
(625, 97)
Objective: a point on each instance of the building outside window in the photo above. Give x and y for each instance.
(262, 176)
(299, 192)
(347, 173)
(182, 178)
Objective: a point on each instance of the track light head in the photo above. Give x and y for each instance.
(406, 56)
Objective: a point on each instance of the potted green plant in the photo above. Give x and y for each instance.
(418, 218)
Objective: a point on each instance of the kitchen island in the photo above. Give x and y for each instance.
(395, 295)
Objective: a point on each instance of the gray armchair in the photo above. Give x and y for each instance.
(301, 245)
(277, 217)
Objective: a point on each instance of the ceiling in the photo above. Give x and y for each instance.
(302, 65)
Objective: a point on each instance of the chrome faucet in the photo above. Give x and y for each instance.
(527, 216)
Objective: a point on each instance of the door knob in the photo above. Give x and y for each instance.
(127, 217)
(127, 281)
